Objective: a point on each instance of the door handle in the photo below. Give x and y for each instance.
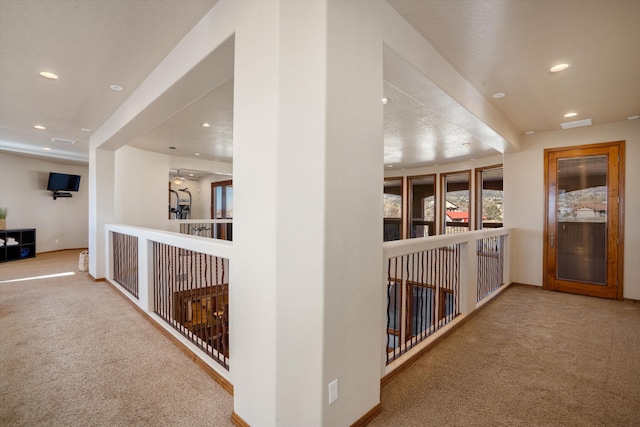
(552, 239)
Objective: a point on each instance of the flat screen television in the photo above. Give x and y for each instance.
(63, 182)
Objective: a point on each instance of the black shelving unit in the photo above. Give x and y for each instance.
(25, 248)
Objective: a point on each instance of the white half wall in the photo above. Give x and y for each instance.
(60, 224)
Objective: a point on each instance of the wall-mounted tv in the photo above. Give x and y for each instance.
(63, 182)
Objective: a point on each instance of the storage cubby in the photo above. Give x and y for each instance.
(25, 246)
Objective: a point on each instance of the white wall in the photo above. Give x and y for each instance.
(60, 224)
(204, 208)
(141, 190)
(200, 190)
(524, 198)
(142, 183)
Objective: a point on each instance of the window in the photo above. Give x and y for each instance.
(392, 209)
(422, 206)
(456, 211)
(222, 200)
(222, 208)
(490, 197)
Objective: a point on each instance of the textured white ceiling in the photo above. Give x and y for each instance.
(509, 45)
(497, 45)
(89, 44)
(184, 130)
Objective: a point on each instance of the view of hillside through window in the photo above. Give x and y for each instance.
(582, 189)
(492, 206)
(456, 215)
(492, 196)
(588, 204)
(392, 206)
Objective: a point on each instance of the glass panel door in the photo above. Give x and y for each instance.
(582, 219)
(583, 239)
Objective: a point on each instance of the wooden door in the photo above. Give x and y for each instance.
(222, 207)
(583, 248)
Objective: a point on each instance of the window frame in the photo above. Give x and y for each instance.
(434, 230)
(443, 200)
(401, 218)
(479, 187)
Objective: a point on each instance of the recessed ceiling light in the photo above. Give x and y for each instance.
(559, 67)
(571, 115)
(466, 144)
(390, 166)
(633, 117)
(529, 132)
(196, 154)
(48, 75)
(39, 127)
(117, 88)
(385, 100)
(206, 125)
(46, 149)
(499, 95)
(85, 130)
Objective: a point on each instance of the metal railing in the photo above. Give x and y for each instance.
(125, 262)
(432, 281)
(490, 252)
(215, 229)
(191, 293)
(423, 290)
(453, 227)
(183, 285)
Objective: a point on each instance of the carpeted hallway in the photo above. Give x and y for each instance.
(75, 353)
(530, 358)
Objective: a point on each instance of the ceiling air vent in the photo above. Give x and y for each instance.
(64, 141)
(576, 124)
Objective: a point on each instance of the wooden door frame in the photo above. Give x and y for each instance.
(225, 183)
(620, 218)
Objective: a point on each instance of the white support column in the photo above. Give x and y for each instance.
(468, 277)
(101, 206)
(308, 170)
(506, 271)
(145, 274)
(108, 266)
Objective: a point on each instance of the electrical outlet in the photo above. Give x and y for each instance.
(333, 391)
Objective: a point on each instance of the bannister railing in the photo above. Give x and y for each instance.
(490, 252)
(453, 227)
(214, 228)
(183, 285)
(432, 281)
(125, 262)
(423, 294)
(191, 293)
